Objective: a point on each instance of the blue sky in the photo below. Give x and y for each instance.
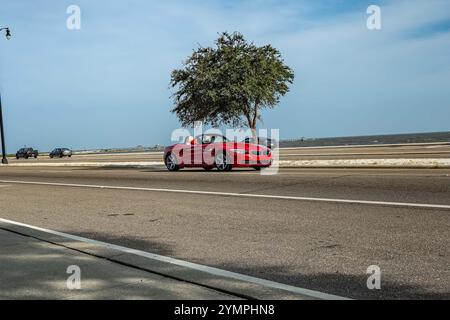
(107, 85)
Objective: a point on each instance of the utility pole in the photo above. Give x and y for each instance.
(2, 133)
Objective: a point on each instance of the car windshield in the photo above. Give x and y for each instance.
(206, 139)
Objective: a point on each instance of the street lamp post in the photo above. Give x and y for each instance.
(2, 134)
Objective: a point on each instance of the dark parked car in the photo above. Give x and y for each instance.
(60, 152)
(269, 143)
(26, 153)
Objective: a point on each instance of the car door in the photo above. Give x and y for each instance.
(185, 152)
(214, 144)
(197, 151)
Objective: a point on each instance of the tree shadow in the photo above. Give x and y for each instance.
(33, 269)
(338, 283)
(347, 285)
(22, 278)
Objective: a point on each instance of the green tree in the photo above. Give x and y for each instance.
(230, 83)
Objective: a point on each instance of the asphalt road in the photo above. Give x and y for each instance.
(372, 152)
(325, 246)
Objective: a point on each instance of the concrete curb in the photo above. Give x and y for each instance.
(216, 279)
(332, 163)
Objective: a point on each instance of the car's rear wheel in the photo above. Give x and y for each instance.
(171, 162)
(222, 162)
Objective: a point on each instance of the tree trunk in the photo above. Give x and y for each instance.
(251, 114)
(254, 121)
(251, 125)
(254, 133)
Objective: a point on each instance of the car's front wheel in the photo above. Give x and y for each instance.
(222, 162)
(171, 162)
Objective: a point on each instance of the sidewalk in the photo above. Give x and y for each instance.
(35, 269)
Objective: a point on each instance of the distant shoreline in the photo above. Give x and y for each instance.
(428, 137)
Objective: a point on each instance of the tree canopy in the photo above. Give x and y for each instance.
(229, 83)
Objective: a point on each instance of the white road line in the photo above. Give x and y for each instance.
(194, 266)
(88, 164)
(234, 194)
(117, 154)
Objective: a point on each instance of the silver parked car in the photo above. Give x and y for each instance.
(60, 152)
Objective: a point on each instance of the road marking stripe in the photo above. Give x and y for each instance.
(117, 154)
(87, 164)
(234, 194)
(195, 266)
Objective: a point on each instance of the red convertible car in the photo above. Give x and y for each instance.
(210, 151)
